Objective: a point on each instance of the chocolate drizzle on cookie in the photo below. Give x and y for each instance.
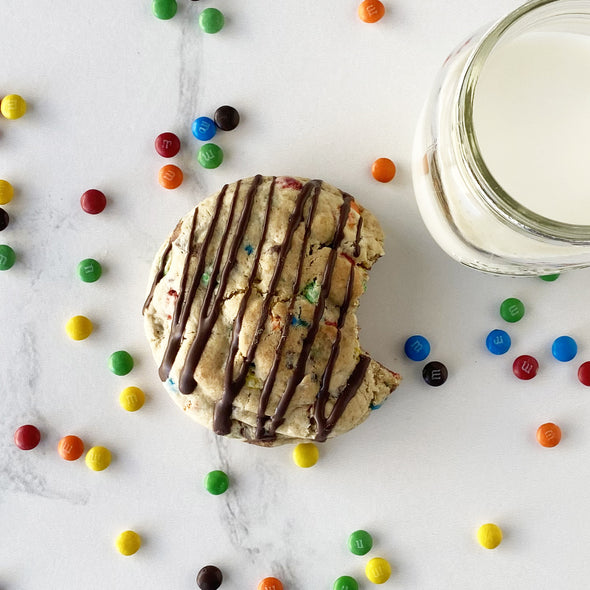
(225, 259)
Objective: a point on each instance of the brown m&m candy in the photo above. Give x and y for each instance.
(209, 578)
(4, 219)
(226, 118)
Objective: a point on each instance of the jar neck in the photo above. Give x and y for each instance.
(538, 15)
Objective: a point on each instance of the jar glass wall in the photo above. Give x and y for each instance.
(472, 215)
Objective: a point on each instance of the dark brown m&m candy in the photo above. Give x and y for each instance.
(435, 373)
(4, 219)
(226, 118)
(209, 578)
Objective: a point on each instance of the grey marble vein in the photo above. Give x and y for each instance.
(22, 471)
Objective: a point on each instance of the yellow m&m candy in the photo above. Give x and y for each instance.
(13, 106)
(98, 458)
(6, 192)
(128, 542)
(378, 570)
(489, 535)
(131, 399)
(79, 327)
(306, 455)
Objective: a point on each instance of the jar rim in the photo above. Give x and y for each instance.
(499, 200)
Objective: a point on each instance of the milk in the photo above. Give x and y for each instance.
(532, 122)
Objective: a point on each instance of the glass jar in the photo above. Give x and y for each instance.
(465, 209)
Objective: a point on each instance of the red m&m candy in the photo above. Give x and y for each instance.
(525, 367)
(584, 373)
(167, 144)
(27, 437)
(93, 201)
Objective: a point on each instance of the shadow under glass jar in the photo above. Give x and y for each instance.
(471, 215)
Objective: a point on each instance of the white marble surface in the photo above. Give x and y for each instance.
(321, 95)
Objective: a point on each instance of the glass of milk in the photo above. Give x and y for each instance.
(501, 162)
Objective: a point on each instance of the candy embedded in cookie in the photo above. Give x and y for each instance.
(251, 312)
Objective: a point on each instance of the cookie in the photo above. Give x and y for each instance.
(251, 307)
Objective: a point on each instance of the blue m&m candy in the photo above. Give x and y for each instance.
(564, 348)
(417, 348)
(498, 342)
(204, 128)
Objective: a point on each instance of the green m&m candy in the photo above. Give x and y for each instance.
(345, 583)
(360, 542)
(210, 155)
(211, 20)
(89, 270)
(550, 278)
(512, 309)
(120, 362)
(164, 9)
(7, 257)
(216, 482)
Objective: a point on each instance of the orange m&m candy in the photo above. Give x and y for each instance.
(383, 170)
(270, 584)
(70, 447)
(370, 11)
(548, 434)
(170, 176)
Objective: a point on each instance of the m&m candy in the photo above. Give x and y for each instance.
(27, 437)
(128, 542)
(345, 583)
(131, 399)
(209, 578)
(93, 201)
(120, 362)
(564, 348)
(216, 482)
(550, 278)
(70, 447)
(7, 257)
(210, 155)
(79, 327)
(360, 542)
(525, 367)
(371, 11)
(13, 106)
(584, 373)
(270, 584)
(170, 176)
(498, 342)
(306, 455)
(98, 458)
(6, 192)
(211, 20)
(378, 570)
(548, 435)
(489, 535)
(89, 270)
(417, 348)
(435, 373)
(167, 144)
(512, 309)
(204, 128)
(164, 9)
(226, 118)
(383, 170)
(4, 219)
